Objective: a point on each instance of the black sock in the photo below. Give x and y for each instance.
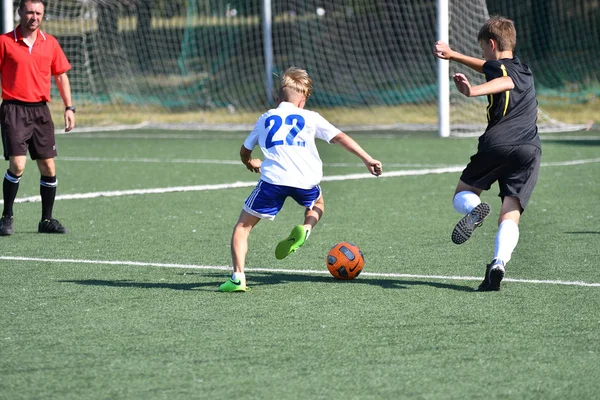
(10, 187)
(48, 193)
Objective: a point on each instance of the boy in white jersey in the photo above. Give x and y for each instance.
(291, 168)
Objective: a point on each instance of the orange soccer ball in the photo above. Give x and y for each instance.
(345, 261)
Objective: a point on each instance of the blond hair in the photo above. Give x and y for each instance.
(296, 80)
(502, 30)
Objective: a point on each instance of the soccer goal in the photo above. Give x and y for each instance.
(215, 63)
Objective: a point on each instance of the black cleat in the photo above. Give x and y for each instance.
(465, 227)
(494, 273)
(6, 225)
(51, 226)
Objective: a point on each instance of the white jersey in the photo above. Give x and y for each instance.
(286, 136)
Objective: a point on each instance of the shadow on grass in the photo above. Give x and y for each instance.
(584, 233)
(265, 278)
(278, 278)
(126, 283)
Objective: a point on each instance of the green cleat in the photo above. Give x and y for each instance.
(292, 243)
(232, 286)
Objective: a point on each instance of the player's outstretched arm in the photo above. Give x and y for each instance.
(443, 51)
(374, 166)
(252, 164)
(497, 85)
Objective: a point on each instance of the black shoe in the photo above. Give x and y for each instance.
(6, 225)
(494, 273)
(51, 226)
(465, 227)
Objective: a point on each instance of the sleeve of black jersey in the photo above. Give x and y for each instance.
(492, 70)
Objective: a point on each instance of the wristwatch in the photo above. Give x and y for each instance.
(71, 108)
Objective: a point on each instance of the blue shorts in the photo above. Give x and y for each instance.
(266, 200)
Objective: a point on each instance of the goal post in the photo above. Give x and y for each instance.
(7, 16)
(443, 11)
(268, 45)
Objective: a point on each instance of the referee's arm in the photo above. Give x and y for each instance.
(64, 88)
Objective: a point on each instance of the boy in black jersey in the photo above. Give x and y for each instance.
(509, 150)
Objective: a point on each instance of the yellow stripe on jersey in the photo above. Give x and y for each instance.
(507, 95)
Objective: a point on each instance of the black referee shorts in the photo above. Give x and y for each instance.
(516, 168)
(27, 126)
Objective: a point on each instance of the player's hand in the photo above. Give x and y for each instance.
(375, 167)
(462, 84)
(69, 120)
(254, 165)
(442, 50)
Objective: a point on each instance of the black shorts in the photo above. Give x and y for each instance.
(27, 126)
(516, 168)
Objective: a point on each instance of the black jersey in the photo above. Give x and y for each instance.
(512, 114)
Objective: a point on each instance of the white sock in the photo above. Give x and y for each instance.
(238, 275)
(464, 202)
(506, 240)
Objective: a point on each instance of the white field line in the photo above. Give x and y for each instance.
(573, 162)
(150, 160)
(199, 188)
(288, 271)
(582, 138)
(117, 193)
(226, 162)
(233, 162)
(162, 136)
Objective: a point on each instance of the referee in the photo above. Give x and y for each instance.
(28, 60)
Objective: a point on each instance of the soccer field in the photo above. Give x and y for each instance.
(125, 305)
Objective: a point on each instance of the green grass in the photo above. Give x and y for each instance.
(77, 330)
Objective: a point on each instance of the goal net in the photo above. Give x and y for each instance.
(202, 63)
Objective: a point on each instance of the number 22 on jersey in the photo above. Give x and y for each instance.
(294, 122)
